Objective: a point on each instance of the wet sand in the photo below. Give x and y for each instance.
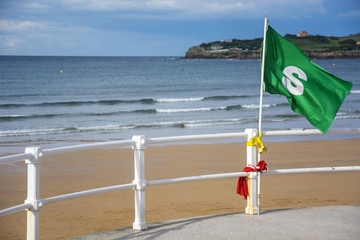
(79, 171)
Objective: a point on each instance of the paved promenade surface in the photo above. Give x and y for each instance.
(334, 222)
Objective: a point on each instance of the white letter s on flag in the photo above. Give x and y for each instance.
(291, 83)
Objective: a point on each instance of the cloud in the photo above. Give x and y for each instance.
(110, 27)
(190, 9)
(42, 38)
(354, 13)
(6, 25)
(8, 41)
(23, 36)
(35, 6)
(119, 5)
(36, 27)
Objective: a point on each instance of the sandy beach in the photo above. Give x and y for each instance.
(78, 171)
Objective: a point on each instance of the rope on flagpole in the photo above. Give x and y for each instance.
(261, 103)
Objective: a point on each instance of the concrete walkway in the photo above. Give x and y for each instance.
(334, 222)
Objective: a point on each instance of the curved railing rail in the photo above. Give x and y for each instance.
(33, 157)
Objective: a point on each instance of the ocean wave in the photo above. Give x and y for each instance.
(27, 95)
(355, 91)
(189, 109)
(167, 124)
(254, 106)
(171, 124)
(218, 123)
(348, 111)
(227, 108)
(12, 116)
(4, 118)
(30, 132)
(347, 117)
(198, 99)
(9, 118)
(201, 123)
(142, 111)
(287, 116)
(77, 103)
(53, 131)
(220, 98)
(122, 101)
(171, 100)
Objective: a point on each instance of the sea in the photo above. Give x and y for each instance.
(59, 101)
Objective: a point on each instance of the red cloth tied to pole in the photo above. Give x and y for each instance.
(242, 187)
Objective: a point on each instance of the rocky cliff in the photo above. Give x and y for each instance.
(198, 52)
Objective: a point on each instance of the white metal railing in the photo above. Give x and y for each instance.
(33, 157)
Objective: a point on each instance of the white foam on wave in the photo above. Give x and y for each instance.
(52, 131)
(70, 130)
(171, 100)
(189, 109)
(12, 116)
(210, 124)
(355, 91)
(28, 132)
(340, 113)
(104, 128)
(347, 117)
(219, 122)
(254, 106)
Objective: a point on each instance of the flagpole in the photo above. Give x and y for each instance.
(261, 103)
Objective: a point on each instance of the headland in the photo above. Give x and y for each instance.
(314, 46)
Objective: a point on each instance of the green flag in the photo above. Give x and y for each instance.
(310, 90)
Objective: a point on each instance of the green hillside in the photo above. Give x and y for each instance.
(323, 43)
(307, 43)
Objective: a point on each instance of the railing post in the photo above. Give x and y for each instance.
(140, 182)
(33, 192)
(252, 207)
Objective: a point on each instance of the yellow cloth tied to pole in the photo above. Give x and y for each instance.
(257, 141)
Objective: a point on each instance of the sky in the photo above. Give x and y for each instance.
(159, 27)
